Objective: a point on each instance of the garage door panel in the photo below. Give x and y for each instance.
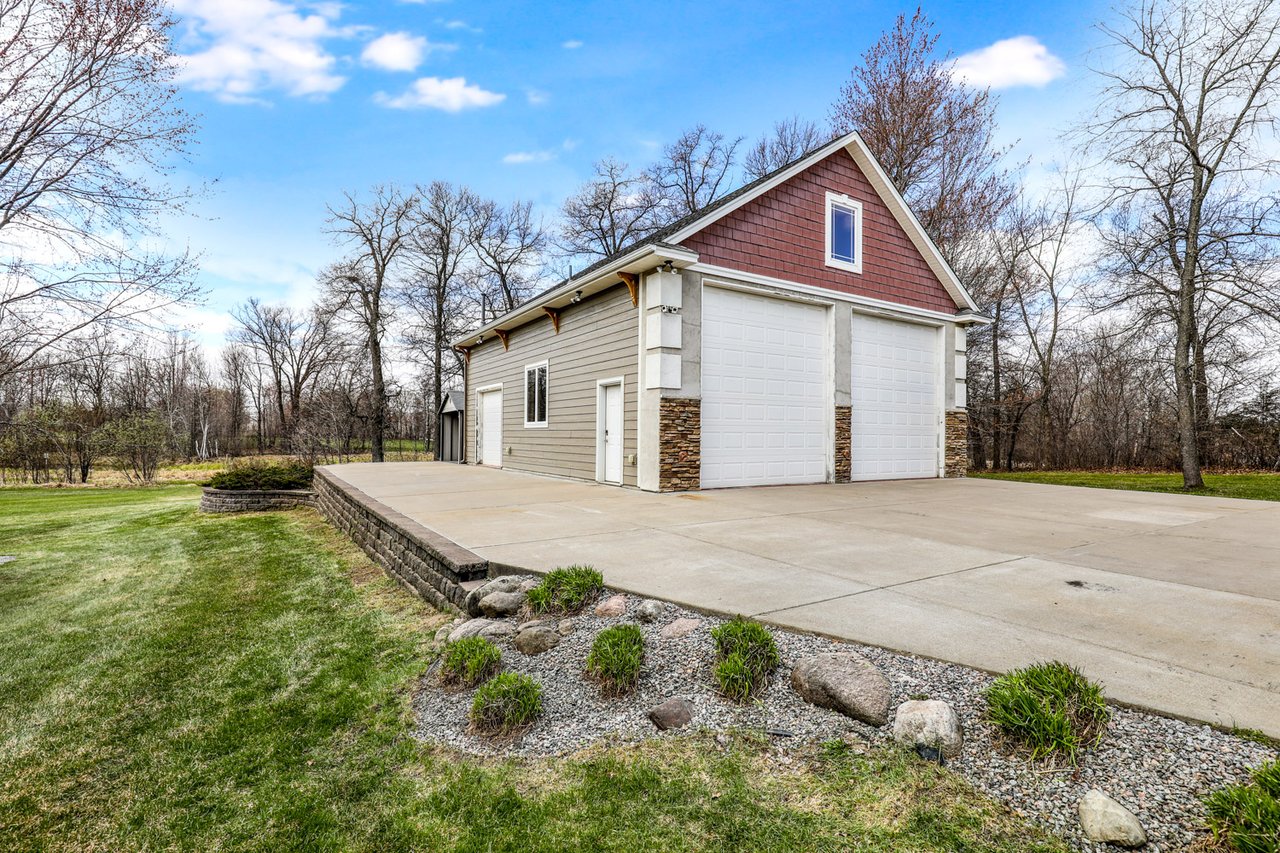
(764, 390)
(896, 399)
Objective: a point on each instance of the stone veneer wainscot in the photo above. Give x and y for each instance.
(679, 444)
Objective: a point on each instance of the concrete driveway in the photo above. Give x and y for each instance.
(1172, 601)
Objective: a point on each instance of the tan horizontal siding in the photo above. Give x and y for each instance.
(598, 339)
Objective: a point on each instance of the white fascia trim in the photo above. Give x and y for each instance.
(532, 310)
(901, 212)
(823, 293)
(780, 178)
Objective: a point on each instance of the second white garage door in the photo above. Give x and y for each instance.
(764, 390)
(896, 399)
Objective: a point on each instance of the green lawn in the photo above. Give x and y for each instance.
(172, 680)
(1260, 487)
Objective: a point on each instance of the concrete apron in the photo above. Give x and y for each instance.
(1171, 601)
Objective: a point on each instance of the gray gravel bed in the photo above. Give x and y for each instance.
(1157, 767)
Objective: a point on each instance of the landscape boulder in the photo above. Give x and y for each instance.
(565, 627)
(1107, 822)
(469, 629)
(614, 605)
(672, 714)
(650, 610)
(844, 682)
(929, 723)
(497, 630)
(536, 640)
(497, 604)
(506, 583)
(682, 627)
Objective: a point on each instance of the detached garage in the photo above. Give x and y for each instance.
(803, 329)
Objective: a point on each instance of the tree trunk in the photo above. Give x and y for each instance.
(1190, 451)
(379, 425)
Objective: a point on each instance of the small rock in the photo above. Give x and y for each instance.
(506, 583)
(672, 714)
(565, 627)
(532, 623)
(497, 604)
(442, 636)
(929, 723)
(497, 630)
(535, 641)
(8, 558)
(469, 629)
(1107, 822)
(650, 610)
(722, 739)
(614, 605)
(529, 584)
(680, 628)
(844, 682)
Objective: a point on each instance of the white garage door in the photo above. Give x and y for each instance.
(896, 399)
(764, 390)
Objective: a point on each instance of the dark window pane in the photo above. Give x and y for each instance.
(842, 234)
(542, 394)
(530, 396)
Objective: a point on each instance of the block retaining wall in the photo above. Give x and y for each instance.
(419, 558)
(253, 500)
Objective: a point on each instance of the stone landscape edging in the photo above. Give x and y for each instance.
(430, 565)
(253, 500)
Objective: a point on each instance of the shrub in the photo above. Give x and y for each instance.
(1247, 817)
(470, 661)
(263, 475)
(615, 659)
(566, 590)
(745, 655)
(1048, 708)
(506, 703)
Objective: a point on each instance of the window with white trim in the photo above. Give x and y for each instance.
(535, 395)
(844, 233)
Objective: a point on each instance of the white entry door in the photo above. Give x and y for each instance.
(610, 439)
(491, 428)
(765, 401)
(897, 399)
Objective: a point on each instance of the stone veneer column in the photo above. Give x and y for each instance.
(680, 440)
(844, 444)
(957, 444)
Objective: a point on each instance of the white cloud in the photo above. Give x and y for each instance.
(517, 158)
(452, 95)
(397, 51)
(236, 49)
(1017, 61)
(571, 44)
(536, 97)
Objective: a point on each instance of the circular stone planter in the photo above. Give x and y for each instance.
(253, 500)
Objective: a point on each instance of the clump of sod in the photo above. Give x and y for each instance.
(1049, 709)
(745, 655)
(615, 659)
(1246, 818)
(506, 704)
(566, 590)
(469, 661)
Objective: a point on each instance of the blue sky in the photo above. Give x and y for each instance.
(299, 101)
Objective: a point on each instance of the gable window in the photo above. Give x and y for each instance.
(844, 233)
(535, 395)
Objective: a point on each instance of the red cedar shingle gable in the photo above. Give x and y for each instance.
(782, 234)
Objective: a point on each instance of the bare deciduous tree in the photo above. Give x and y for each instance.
(90, 127)
(693, 171)
(1185, 131)
(789, 139)
(509, 247)
(377, 233)
(612, 210)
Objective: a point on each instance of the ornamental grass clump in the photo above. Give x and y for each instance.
(469, 661)
(506, 704)
(566, 590)
(1049, 709)
(1246, 818)
(615, 659)
(745, 655)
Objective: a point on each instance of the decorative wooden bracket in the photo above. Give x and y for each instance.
(466, 353)
(632, 281)
(554, 314)
(504, 337)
